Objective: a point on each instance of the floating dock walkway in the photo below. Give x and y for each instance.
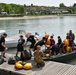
(50, 68)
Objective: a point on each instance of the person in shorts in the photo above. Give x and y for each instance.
(20, 46)
(3, 49)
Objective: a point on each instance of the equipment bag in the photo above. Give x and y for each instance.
(1, 60)
(27, 55)
(12, 60)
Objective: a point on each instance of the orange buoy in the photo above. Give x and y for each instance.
(47, 55)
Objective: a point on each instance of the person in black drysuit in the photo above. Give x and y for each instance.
(41, 42)
(2, 44)
(32, 40)
(20, 46)
(59, 44)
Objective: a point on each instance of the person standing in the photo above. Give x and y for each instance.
(20, 46)
(72, 35)
(73, 38)
(3, 49)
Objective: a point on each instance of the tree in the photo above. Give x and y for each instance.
(21, 10)
(62, 5)
(74, 5)
(31, 4)
(8, 8)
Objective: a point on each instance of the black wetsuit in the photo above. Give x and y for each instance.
(32, 40)
(20, 45)
(41, 42)
(59, 42)
(2, 39)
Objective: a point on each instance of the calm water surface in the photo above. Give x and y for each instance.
(58, 26)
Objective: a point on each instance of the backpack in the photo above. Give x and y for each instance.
(27, 55)
(12, 60)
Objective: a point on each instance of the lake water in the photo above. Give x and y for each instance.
(58, 26)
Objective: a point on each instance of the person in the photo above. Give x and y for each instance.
(69, 37)
(59, 41)
(72, 35)
(41, 43)
(32, 40)
(52, 45)
(38, 54)
(59, 44)
(20, 46)
(73, 38)
(3, 49)
(65, 45)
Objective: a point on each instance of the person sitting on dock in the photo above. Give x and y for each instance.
(3, 49)
(32, 40)
(20, 46)
(38, 54)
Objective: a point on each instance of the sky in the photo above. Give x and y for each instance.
(40, 2)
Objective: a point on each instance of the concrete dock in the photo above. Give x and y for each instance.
(50, 68)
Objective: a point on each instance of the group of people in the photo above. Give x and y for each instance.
(36, 44)
(66, 45)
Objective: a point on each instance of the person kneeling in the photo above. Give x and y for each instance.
(38, 54)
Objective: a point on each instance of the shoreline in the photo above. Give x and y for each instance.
(27, 17)
(35, 17)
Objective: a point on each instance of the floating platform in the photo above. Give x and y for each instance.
(50, 68)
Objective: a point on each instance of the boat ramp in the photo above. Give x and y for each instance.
(50, 68)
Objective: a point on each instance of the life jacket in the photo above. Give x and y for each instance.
(66, 42)
(48, 42)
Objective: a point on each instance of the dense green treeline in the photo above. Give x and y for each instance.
(17, 10)
(12, 8)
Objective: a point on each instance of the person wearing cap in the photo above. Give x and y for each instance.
(20, 46)
(3, 49)
(38, 54)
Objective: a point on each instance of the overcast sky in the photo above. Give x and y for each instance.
(40, 2)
